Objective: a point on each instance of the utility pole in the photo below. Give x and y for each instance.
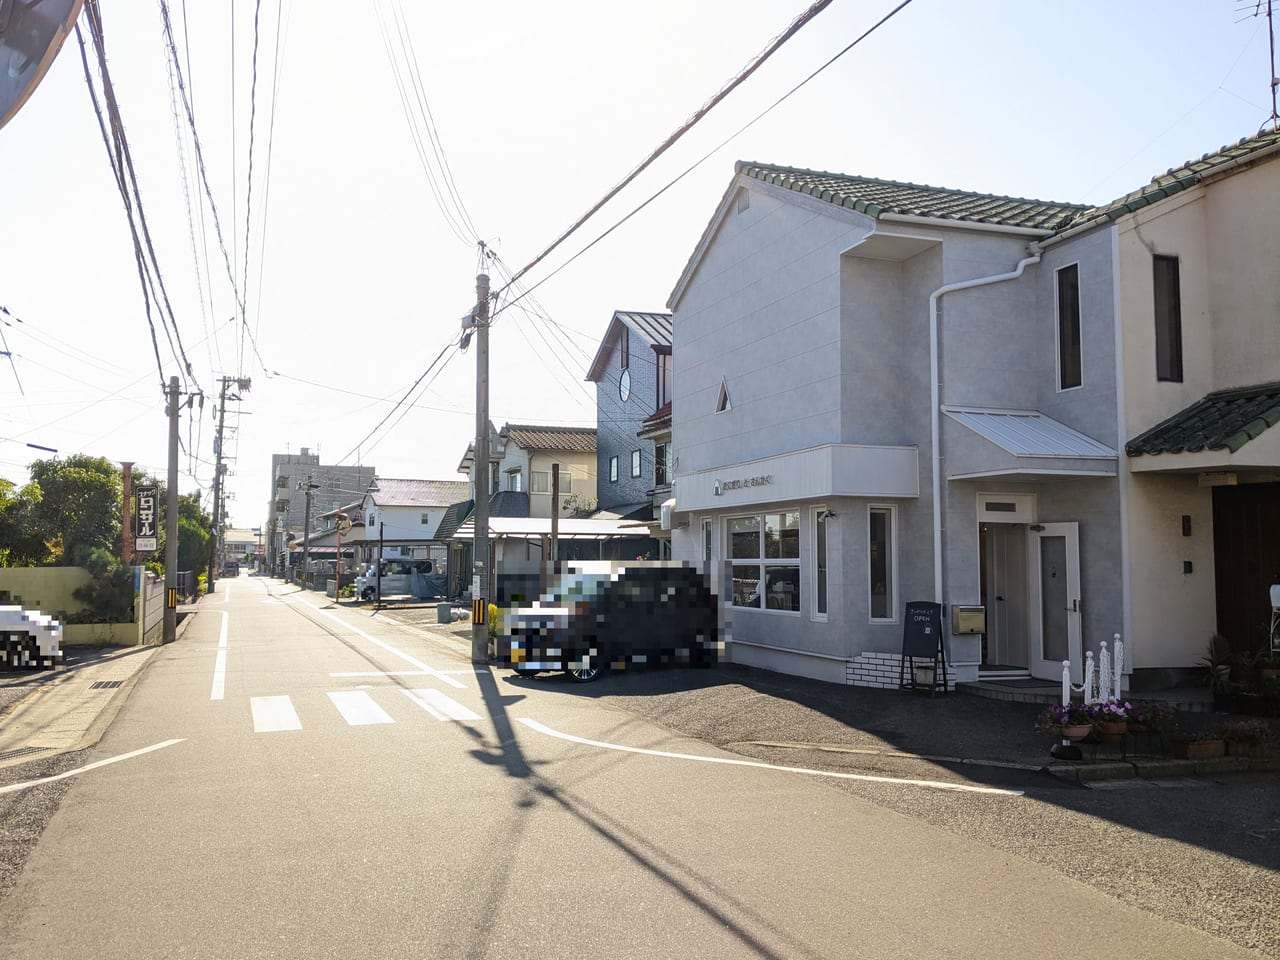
(306, 527)
(242, 383)
(480, 477)
(170, 626)
(126, 510)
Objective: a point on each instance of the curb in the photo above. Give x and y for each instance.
(1155, 769)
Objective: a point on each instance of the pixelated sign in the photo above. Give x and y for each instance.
(145, 519)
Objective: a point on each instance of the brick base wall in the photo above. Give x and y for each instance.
(880, 670)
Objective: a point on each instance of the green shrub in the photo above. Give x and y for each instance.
(108, 597)
(493, 621)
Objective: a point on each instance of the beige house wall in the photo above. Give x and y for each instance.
(581, 465)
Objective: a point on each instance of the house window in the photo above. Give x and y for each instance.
(664, 379)
(765, 554)
(613, 469)
(493, 478)
(425, 520)
(661, 466)
(566, 482)
(624, 349)
(881, 562)
(515, 481)
(1069, 373)
(1168, 319)
(635, 463)
(540, 482)
(722, 401)
(706, 543)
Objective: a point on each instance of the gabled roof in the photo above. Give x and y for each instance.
(652, 328)
(1227, 419)
(657, 422)
(1188, 175)
(392, 492)
(533, 437)
(875, 197)
(453, 518)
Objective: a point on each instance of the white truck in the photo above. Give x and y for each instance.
(397, 578)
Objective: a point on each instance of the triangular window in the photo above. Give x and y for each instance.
(722, 403)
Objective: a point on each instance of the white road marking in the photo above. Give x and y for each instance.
(931, 784)
(358, 708)
(440, 706)
(273, 713)
(399, 673)
(15, 787)
(219, 687)
(413, 661)
(226, 593)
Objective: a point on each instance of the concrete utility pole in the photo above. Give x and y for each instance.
(480, 475)
(170, 626)
(242, 383)
(306, 527)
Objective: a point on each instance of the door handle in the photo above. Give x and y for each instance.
(1075, 605)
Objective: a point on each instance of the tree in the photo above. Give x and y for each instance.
(21, 540)
(80, 506)
(194, 526)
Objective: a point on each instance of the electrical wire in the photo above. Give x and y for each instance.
(248, 196)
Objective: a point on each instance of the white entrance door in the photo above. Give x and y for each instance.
(1053, 581)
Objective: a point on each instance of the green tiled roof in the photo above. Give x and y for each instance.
(1188, 175)
(1227, 419)
(874, 197)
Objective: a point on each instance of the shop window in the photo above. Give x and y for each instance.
(881, 562)
(765, 554)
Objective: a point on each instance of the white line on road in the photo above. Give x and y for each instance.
(931, 784)
(273, 713)
(413, 661)
(440, 706)
(358, 708)
(399, 673)
(15, 787)
(219, 687)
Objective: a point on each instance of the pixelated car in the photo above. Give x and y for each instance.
(603, 615)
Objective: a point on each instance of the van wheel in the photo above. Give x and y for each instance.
(368, 594)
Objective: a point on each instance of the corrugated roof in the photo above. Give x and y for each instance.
(1177, 179)
(1029, 433)
(393, 492)
(453, 518)
(652, 328)
(1227, 419)
(533, 437)
(874, 197)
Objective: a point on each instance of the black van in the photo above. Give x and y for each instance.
(600, 615)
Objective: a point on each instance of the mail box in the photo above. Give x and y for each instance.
(968, 619)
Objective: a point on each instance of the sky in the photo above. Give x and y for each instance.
(350, 221)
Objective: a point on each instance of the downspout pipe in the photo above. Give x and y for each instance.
(935, 397)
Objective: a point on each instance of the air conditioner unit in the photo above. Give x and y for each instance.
(669, 519)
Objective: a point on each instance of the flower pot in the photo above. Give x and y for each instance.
(1113, 728)
(1199, 749)
(1076, 731)
(1254, 751)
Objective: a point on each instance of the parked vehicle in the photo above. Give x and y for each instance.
(231, 568)
(600, 615)
(397, 578)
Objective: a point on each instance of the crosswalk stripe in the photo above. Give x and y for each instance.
(440, 706)
(273, 713)
(358, 708)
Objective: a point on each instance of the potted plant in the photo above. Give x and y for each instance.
(1249, 738)
(1152, 716)
(1201, 745)
(1070, 721)
(1111, 717)
(1268, 665)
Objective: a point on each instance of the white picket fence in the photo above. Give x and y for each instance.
(1109, 675)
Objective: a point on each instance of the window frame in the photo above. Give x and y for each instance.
(891, 536)
(1058, 328)
(613, 469)
(762, 561)
(661, 464)
(666, 374)
(1169, 368)
(624, 349)
(820, 517)
(424, 520)
(540, 478)
(637, 463)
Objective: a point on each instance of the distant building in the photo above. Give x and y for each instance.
(331, 487)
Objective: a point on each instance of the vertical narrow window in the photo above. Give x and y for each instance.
(820, 564)
(613, 469)
(1168, 319)
(661, 469)
(880, 562)
(1069, 327)
(635, 463)
(706, 543)
(624, 349)
(664, 379)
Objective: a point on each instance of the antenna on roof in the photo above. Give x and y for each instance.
(1274, 120)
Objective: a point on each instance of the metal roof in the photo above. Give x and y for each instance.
(653, 328)
(392, 492)
(1029, 433)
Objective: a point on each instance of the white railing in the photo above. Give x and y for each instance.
(1109, 676)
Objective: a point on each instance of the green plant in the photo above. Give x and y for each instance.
(1217, 664)
(108, 597)
(1248, 731)
(1058, 715)
(1158, 716)
(493, 621)
(348, 591)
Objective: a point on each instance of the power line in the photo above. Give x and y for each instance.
(248, 197)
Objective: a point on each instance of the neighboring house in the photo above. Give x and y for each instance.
(292, 474)
(520, 460)
(632, 371)
(239, 544)
(403, 516)
(892, 392)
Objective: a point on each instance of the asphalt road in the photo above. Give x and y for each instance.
(345, 786)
